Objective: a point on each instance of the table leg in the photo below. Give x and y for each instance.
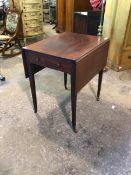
(73, 101)
(65, 80)
(32, 86)
(2, 78)
(99, 84)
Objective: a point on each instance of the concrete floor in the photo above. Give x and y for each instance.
(44, 144)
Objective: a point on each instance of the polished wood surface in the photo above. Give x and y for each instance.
(87, 22)
(81, 56)
(65, 12)
(71, 46)
(60, 15)
(82, 5)
(75, 6)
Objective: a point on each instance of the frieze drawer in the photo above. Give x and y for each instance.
(54, 64)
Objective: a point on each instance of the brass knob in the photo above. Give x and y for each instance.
(37, 59)
(58, 64)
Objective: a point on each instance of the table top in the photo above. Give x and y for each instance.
(67, 45)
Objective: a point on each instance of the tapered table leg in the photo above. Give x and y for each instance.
(65, 80)
(73, 101)
(99, 84)
(32, 86)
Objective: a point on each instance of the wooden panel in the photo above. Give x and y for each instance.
(80, 23)
(60, 15)
(47, 61)
(91, 64)
(73, 6)
(87, 23)
(69, 14)
(65, 12)
(82, 5)
(129, 35)
(126, 59)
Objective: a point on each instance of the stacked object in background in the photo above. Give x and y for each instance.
(32, 17)
(46, 9)
(49, 11)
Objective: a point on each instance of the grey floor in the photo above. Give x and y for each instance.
(44, 144)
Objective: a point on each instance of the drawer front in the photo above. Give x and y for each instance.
(33, 23)
(50, 63)
(32, 7)
(31, 1)
(126, 59)
(32, 15)
(33, 31)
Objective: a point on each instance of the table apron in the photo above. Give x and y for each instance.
(51, 62)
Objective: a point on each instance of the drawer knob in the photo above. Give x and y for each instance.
(129, 57)
(37, 59)
(58, 64)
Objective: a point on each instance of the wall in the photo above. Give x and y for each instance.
(115, 23)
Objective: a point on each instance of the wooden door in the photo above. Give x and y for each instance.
(75, 6)
(69, 14)
(65, 12)
(60, 15)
